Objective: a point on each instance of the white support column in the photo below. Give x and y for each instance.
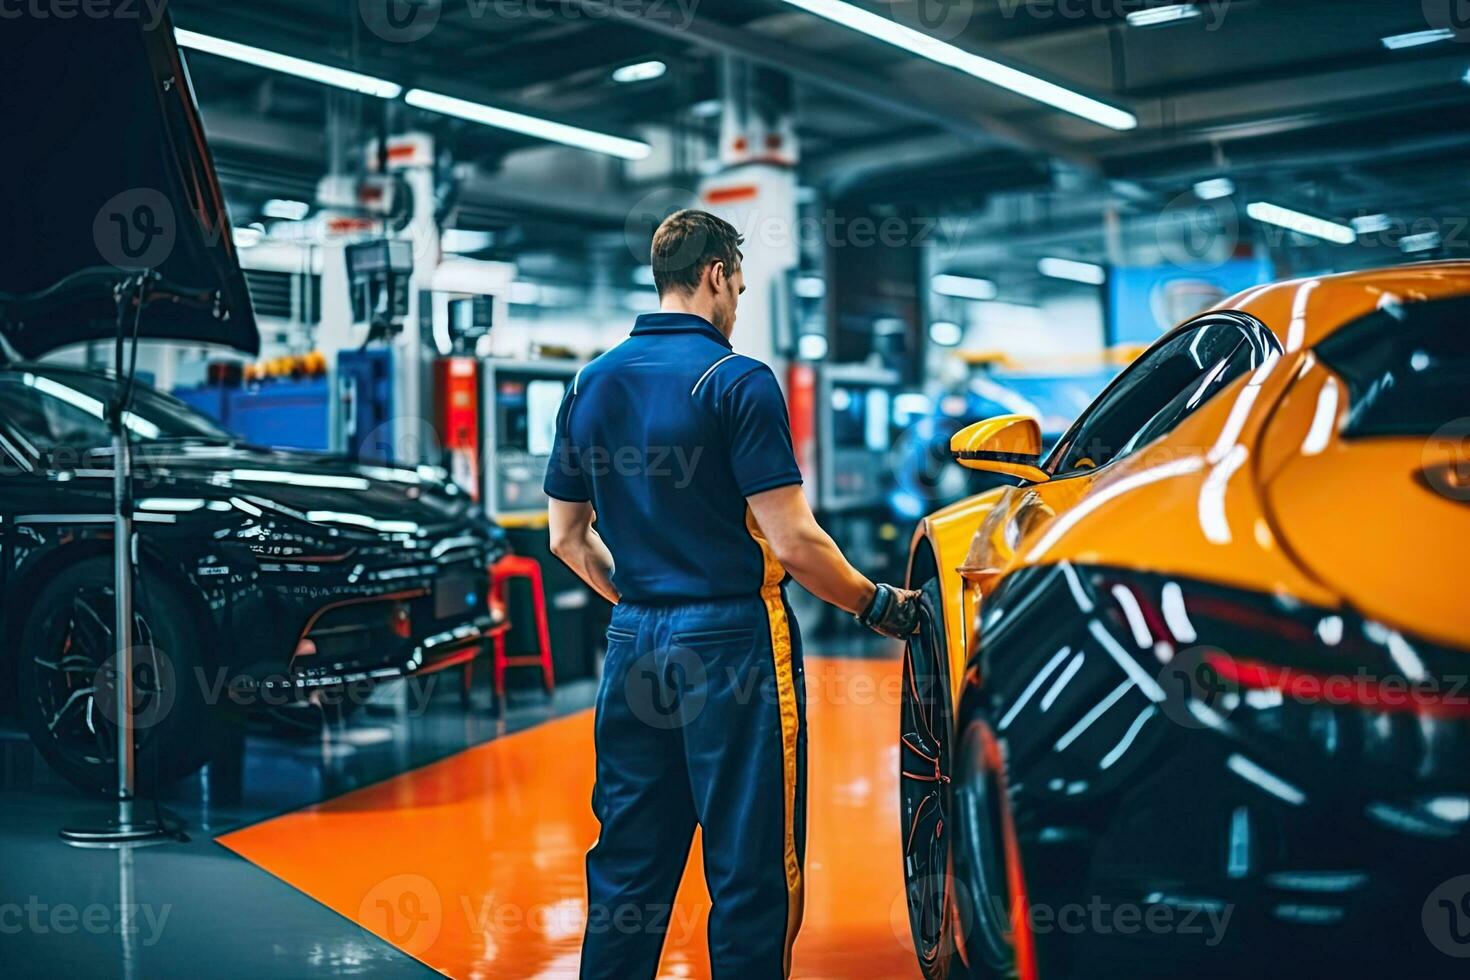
(756, 192)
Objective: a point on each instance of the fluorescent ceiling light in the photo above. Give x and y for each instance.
(286, 210)
(1420, 243)
(963, 287)
(944, 53)
(1009, 309)
(1171, 13)
(516, 122)
(460, 241)
(247, 237)
(1414, 39)
(525, 293)
(946, 333)
(1371, 224)
(325, 74)
(1072, 270)
(811, 287)
(1214, 189)
(811, 347)
(706, 108)
(643, 71)
(1306, 224)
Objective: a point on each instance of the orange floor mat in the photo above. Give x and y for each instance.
(474, 864)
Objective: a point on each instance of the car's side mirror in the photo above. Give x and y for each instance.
(1008, 444)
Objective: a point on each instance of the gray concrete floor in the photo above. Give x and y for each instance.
(191, 909)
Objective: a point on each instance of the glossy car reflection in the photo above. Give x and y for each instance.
(267, 578)
(1193, 700)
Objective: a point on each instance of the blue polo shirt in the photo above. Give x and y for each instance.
(667, 434)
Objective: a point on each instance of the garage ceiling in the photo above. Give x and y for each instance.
(1298, 100)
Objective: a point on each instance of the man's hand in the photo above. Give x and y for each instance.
(575, 542)
(894, 612)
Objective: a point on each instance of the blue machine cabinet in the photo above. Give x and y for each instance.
(365, 386)
(280, 414)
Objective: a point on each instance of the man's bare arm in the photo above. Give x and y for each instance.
(575, 542)
(807, 551)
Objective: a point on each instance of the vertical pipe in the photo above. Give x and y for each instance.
(123, 623)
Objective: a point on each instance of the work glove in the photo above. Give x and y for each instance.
(893, 612)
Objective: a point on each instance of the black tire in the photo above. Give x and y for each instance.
(980, 859)
(66, 690)
(926, 732)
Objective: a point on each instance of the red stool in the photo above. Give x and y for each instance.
(507, 568)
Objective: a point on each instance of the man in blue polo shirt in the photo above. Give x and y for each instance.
(680, 450)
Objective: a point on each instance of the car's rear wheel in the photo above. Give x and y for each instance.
(67, 682)
(925, 748)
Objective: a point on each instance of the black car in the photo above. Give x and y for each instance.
(265, 577)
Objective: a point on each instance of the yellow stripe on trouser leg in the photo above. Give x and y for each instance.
(790, 723)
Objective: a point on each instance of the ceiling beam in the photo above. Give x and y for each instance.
(834, 76)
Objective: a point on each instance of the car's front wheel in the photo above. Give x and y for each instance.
(985, 857)
(67, 681)
(926, 730)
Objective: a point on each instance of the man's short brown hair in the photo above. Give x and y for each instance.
(686, 243)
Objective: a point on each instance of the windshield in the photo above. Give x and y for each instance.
(66, 409)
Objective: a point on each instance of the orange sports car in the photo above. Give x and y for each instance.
(1191, 699)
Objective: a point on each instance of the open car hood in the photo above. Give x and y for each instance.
(106, 174)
